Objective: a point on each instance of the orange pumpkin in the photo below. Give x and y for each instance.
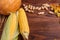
(7, 6)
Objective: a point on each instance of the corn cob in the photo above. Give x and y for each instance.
(23, 23)
(10, 31)
(56, 9)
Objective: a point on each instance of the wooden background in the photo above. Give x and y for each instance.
(42, 27)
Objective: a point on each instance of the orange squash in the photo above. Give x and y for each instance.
(7, 6)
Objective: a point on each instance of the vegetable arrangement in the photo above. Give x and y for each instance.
(17, 16)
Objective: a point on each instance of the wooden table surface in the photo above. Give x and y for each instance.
(44, 27)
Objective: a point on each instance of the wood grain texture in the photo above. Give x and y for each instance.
(43, 27)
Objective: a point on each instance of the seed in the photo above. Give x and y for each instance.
(33, 8)
(41, 13)
(29, 6)
(29, 10)
(51, 12)
(39, 8)
(32, 11)
(26, 9)
(47, 5)
(42, 7)
(24, 5)
(52, 9)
